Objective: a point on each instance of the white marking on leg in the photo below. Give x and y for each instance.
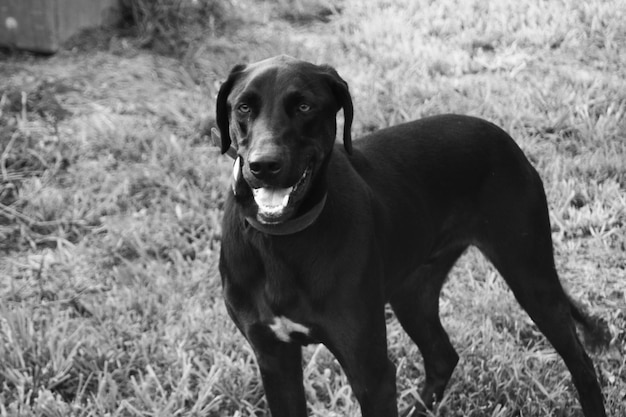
(283, 327)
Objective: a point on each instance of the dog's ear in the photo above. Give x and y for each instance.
(344, 99)
(222, 109)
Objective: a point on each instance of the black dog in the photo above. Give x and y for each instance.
(317, 239)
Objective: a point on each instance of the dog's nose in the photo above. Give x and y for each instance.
(265, 167)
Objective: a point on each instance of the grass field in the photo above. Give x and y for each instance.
(110, 203)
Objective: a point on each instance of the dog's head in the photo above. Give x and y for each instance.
(280, 116)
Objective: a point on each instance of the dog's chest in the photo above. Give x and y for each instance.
(277, 300)
(287, 330)
(284, 313)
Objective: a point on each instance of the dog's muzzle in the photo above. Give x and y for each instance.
(274, 203)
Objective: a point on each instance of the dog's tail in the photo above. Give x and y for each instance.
(596, 333)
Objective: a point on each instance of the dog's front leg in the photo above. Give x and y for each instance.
(359, 343)
(280, 365)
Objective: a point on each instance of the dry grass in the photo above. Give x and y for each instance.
(110, 203)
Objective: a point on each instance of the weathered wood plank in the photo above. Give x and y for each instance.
(43, 25)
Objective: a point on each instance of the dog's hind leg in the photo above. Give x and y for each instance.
(416, 304)
(516, 238)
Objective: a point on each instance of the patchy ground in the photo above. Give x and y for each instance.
(110, 205)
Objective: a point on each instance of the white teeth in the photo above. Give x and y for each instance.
(273, 201)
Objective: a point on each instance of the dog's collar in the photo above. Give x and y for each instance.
(290, 226)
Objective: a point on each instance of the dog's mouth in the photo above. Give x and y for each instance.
(276, 204)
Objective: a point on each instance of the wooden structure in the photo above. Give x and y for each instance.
(43, 25)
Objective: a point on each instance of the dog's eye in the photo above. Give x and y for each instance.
(243, 108)
(303, 107)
